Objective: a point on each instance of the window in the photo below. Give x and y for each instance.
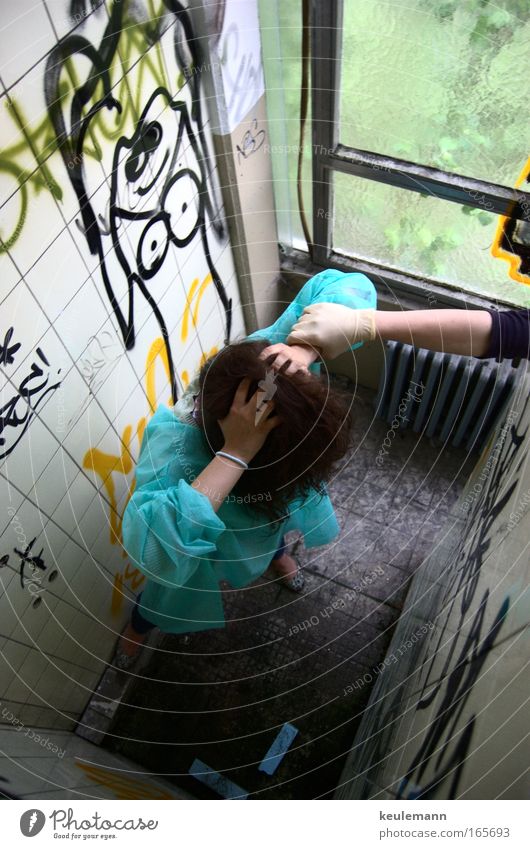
(419, 151)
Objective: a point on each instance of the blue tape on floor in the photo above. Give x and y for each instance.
(215, 781)
(278, 749)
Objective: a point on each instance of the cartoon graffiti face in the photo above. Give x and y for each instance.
(158, 190)
(154, 196)
(157, 199)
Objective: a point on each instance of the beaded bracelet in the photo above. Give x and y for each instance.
(231, 457)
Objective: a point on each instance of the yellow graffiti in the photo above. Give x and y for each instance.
(122, 785)
(157, 351)
(194, 290)
(104, 465)
(211, 353)
(498, 251)
(142, 424)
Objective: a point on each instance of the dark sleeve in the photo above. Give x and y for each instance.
(510, 335)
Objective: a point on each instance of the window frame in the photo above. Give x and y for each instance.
(329, 155)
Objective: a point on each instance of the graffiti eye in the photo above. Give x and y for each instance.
(182, 202)
(152, 136)
(152, 247)
(145, 144)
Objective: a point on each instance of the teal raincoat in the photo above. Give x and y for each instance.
(171, 532)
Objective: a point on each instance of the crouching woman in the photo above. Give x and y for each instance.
(239, 461)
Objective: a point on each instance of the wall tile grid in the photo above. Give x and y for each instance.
(112, 230)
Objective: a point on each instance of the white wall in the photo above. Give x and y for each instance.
(86, 290)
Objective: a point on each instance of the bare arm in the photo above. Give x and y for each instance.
(453, 331)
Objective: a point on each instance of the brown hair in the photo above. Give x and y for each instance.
(298, 454)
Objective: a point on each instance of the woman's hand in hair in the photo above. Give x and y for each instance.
(248, 423)
(289, 358)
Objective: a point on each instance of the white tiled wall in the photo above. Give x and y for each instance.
(70, 389)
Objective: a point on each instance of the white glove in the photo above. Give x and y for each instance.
(333, 328)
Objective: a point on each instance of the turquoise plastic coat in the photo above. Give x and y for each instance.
(171, 532)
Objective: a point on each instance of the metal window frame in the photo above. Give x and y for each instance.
(329, 155)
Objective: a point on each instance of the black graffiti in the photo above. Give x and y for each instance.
(26, 557)
(513, 239)
(458, 687)
(251, 141)
(7, 351)
(451, 769)
(19, 411)
(34, 560)
(442, 749)
(153, 160)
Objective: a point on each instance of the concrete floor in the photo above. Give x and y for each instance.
(223, 696)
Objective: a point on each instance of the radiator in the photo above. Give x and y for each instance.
(446, 397)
